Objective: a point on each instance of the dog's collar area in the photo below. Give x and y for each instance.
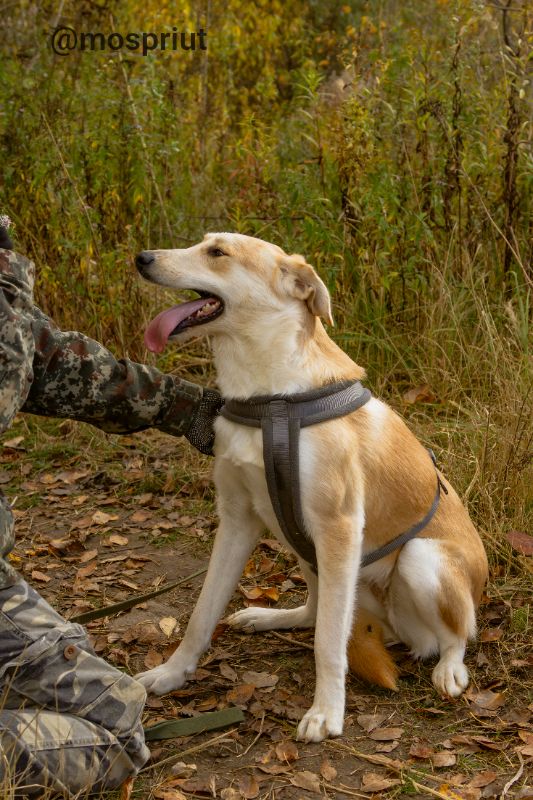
(309, 408)
(280, 417)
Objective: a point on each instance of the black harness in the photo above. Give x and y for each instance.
(280, 417)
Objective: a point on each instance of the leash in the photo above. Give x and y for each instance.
(280, 418)
(125, 605)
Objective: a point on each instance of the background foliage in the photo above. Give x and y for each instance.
(388, 142)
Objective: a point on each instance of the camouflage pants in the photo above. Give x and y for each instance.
(69, 721)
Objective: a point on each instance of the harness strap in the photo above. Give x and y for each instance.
(327, 402)
(280, 418)
(404, 537)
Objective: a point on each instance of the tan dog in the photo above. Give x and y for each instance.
(364, 479)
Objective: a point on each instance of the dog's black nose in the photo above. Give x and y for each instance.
(144, 260)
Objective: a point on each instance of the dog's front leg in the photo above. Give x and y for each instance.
(338, 557)
(236, 537)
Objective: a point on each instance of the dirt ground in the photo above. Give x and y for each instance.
(101, 518)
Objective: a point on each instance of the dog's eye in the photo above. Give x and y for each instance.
(216, 252)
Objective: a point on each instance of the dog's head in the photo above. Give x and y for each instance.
(243, 283)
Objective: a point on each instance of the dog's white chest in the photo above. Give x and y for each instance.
(240, 448)
(238, 444)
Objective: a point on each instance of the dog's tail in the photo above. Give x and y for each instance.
(367, 655)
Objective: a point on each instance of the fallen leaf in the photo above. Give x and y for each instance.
(40, 576)
(386, 734)
(230, 794)
(519, 540)
(306, 780)
(374, 782)
(197, 786)
(73, 476)
(152, 659)
(102, 518)
(483, 779)
(140, 516)
(444, 759)
(143, 632)
(201, 674)
(84, 572)
(248, 786)
(327, 770)
(491, 634)
(14, 444)
(488, 744)
(287, 751)
(274, 769)
(129, 584)
(486, 698)
(125, 789)
(419, 394)
(387, 747)
(430, 710)
(168, 625)
(260, 680)
(419, 750)
(241, 694)
(227, 671)
(116, 538)
(370, 721)
(183, 770)
(88, 556)
(168, 794)
(82, 522)
(258, 593)
(446, 791)
(48, 479)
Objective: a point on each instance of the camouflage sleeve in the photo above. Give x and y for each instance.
(16, 356)
(78, 378)
(16, 336)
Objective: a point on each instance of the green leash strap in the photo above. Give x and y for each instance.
(209, 721)
(125, 605)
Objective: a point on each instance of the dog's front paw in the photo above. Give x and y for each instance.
(266, 619)
(253, 619)
(450, 677)
(320, 723)
(164, 679)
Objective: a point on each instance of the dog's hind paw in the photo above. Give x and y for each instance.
(450, 677)
(163, 679)
(317, 725)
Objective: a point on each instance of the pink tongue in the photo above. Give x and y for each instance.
(157, 333)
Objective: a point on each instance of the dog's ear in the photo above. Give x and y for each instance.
(300, 280)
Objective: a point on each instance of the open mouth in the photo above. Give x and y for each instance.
(178, 318)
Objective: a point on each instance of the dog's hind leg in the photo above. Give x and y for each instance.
(265, 619)
(432, 610)
(238, 532)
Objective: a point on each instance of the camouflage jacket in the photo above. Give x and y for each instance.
(64, 374)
